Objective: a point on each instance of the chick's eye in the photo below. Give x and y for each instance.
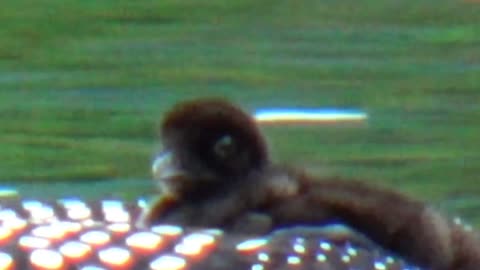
(224, 147)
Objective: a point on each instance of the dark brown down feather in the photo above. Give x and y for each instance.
(223, 178)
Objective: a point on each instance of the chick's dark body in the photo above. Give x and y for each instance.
(222, 177)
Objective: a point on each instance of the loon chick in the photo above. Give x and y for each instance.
(215, 171)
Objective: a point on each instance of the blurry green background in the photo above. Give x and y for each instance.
(83, 85)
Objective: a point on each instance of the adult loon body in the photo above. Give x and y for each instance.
(72, 234)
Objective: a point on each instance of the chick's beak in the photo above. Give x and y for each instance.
(164, 166)
(168, 174)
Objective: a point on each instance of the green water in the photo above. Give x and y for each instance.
(83, 85)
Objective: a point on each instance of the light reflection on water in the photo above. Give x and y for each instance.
(291, 115)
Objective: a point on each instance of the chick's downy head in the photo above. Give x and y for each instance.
(210, 142)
